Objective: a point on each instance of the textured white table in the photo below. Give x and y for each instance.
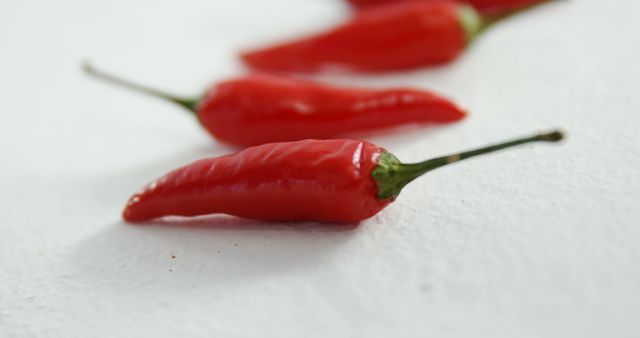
(536, 242)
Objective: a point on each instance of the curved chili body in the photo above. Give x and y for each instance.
(485, 7)
(395, 37)
(307, 180)
(310, 180)
(259, 109)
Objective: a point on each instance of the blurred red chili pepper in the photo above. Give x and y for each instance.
(260, 108)
(330, 180)
(485, 7)
(398, 36)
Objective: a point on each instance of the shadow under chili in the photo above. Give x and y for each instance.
(206, 252)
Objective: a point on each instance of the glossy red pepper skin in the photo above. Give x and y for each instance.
(265, 108)
(310, 180)
(259, 109)
(485, 7)
(389, 38)
(326, 180)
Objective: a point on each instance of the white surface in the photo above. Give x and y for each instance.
(536, 242)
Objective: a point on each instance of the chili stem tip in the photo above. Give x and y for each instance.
(87, 67)
(190, 104)
(554, 136)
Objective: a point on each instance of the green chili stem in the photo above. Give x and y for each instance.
(474, 23)
(189, 104)
(490, 20)
(391, 175)
(416, 169)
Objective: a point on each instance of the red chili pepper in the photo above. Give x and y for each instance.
(330, 180)
(485, 7)
(258, 109)
(399, 36)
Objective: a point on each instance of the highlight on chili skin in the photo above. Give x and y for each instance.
(264, 108)
(311, 180)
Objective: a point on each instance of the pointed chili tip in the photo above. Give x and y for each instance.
(251, 58)
(246, 56)
(127, 217)
(260, 60)
(463, 113)
(133, 212)
(133, 216)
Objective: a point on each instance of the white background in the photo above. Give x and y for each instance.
(537, 242)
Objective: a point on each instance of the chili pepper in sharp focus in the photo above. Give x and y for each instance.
(485, 7)
(386, 38)
(330, 180)
(261, 108)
